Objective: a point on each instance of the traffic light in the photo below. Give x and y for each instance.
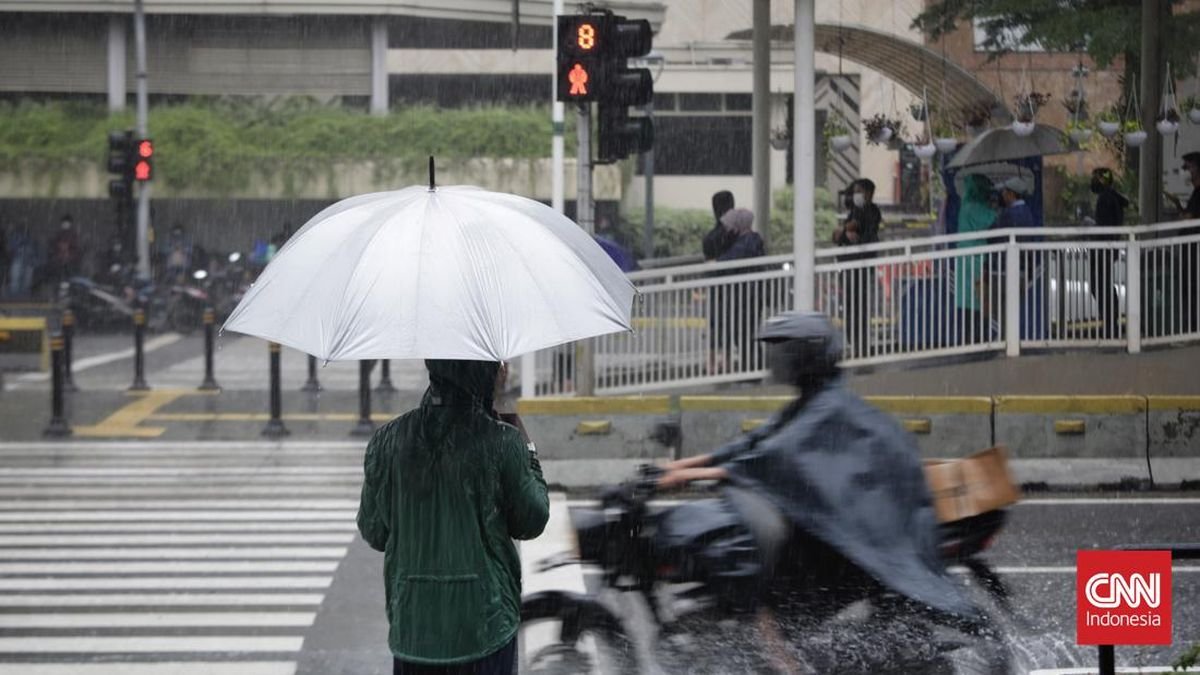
(120, 162)
(582, 43)
(143, 169)
(621, 134)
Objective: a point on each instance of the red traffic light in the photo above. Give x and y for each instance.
(141, 170)
(145, 148)
(578, 78)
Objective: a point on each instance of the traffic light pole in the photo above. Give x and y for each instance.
(585, 372)
(143, 203)
(648, 173)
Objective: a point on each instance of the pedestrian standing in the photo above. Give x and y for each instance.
(744, 299)
(715, 244)
(860, 227)
(1187, 266)
(975, 215)
(65, 253)
(5, 259)
(446, 489)
(1109, 212)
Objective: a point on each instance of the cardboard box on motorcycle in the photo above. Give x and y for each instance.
(967, 487)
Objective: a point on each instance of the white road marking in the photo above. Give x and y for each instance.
(192, 472)
(255, 539)
(167, 516)
(156, 668)
(169, 527)
(160, 599)
(261, 583)
(167, 567)
(149, 644)
(77, 365)
(300, 505)
(177, 553)
(157, 619)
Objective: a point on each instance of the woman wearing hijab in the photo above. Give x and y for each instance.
(744, 299)
(975, 215)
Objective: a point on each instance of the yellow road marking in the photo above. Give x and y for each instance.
(263, 417)
(125, 421)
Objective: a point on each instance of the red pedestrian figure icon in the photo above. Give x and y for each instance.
(578, 78)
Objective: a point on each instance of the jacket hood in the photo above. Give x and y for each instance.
(461, 383)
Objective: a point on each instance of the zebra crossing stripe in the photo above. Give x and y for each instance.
(169, 527)
(78, 644)
(168, 516)
(158, 619)
(145, 583)
(302, 505)
(155, 668)
(169, 599)
(169, 539)
(173, 553)
(168, 567)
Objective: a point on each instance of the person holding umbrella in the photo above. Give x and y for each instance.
(464, 279)
(446, 489)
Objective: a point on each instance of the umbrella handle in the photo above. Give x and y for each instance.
(431, 184)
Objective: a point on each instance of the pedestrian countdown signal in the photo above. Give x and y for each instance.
(585, 36)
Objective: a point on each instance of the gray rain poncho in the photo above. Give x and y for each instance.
(846, 473)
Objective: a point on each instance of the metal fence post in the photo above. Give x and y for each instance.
(312, 385)
(1108, 660)
(275, 428)
(364, 427)
(68, 336)
(210, 382)
(58, 426)
(1012, 297)
(1133, 296)
(385, 385)
(139, 355)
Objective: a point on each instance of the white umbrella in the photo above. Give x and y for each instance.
(446, 273)
(1002, 144)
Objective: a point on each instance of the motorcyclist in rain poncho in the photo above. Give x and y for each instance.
(833, 470)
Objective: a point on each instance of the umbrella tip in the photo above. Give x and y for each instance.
(432, 186)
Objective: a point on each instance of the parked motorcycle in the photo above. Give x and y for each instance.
(186, 302)
(228, 285)
(698, 559)
(97, 305)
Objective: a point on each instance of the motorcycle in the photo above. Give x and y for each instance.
(186, 302)
(97, 305)
(228, 285)
(697, 559)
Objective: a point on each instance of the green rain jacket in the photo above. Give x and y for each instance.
(447, 487)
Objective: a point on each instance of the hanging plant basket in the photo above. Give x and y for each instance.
(1108, 129)
(840, 142)
(1081, 136)
(925, 151)
(1023, 128)
(1134, 139)
(946, 145)
(881, 129)
(780, 139)
(1168, 122)
(1194, 115)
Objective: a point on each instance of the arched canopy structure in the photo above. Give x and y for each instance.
(910, 64)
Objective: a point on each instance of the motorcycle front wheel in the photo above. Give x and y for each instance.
(565, 635)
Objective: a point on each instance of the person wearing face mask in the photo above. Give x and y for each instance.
(861, 227)
(1110, 212)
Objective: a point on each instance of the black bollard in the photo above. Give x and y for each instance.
(210, 382)
(139, 355)
(275, 428)
(68, 336)
(58, 426)
(312, 386)
(385, 380)
(1108, 660)
(364, 427)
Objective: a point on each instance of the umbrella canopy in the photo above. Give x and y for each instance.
(996, 145)
(997, 172)
(447, 273)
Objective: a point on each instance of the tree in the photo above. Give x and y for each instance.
(1104, 29)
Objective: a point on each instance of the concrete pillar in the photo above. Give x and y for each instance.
(1151, 82)
(379, 74)
(804, 156)
(761, 104)
(116, 61)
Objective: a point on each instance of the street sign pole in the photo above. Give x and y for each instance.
(585, 372)
(143, 205)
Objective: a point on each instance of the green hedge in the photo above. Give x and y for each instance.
(218, 145)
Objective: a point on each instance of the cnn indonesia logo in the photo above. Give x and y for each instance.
(1123, 597)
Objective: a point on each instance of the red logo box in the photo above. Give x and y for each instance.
(1123, 597)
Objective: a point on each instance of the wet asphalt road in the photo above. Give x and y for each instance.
(1035, 555)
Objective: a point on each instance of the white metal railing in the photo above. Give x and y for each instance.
(1003, 290)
